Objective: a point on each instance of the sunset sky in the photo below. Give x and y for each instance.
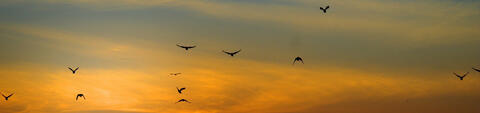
(362, 56)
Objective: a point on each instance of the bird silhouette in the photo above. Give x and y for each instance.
(461, 77)
(324, 9)
(175, 74)
(181, 89)
(478, 70)
(182, 100)
(186, 47)
(73, 71)
(80, 95)
(298, 59)
(231, 53)
(6, 97)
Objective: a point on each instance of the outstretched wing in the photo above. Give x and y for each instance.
(457, 75)
(76, 68)
(327, 7)
(237, 51)
(180, 46)
(77, 97)
(71, 69)
(466, 74)
(10, 95)
(476, 69)
(226, 52)
(4, 96)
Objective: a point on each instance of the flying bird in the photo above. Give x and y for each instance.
(324, 9)
(478, 70)
(6, 97)
(186, 47)
(231, 53)
(183, 100)
(80, 95)
(73, 71)
(298, 59)
(181, 89)
(461, 77)
(175, 74)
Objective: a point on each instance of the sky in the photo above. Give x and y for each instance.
(362, 56)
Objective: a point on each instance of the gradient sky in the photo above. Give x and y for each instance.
(363, 56)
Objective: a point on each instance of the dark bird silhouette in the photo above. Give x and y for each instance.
(73, 71)
(175, 74)
(183, 100)
(186, 47)
(6, 97)
(181, 89)
(298, 59)
(324, 9)
(231, 53)
(461, 77)
(80, 95)
(478, 70)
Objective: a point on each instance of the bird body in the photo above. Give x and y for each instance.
(175, 74)
(231, 53)
(299, 59)
(73, 70)
(324, 9)
(6, 97)
(461, 77)
(183, 100)
(181, 89)
(186, 47)
(80, 95)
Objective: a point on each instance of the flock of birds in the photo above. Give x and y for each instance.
(180, 90)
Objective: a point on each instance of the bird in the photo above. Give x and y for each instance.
(181, 89)
(73, 71)
(6, 97)
(231, 53)
(186, 47)
(183, 100)
(175, 74)
(324, 9)
(461, 77)
(80, 95)
(478, 70)
(298, 59)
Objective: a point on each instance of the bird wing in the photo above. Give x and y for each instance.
(4, 96)
(182, 89)
(225, 52)
(476, 69)
(321, 8)
(327, 7)
(77, 97)
(237, 51)
(457, 75)
(180, 46)
(466, 74)
(76, 68)
(10, 95)
(70, 69)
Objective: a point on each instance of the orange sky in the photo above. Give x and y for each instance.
(367, 56)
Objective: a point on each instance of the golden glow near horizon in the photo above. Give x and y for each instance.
(367, 56)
